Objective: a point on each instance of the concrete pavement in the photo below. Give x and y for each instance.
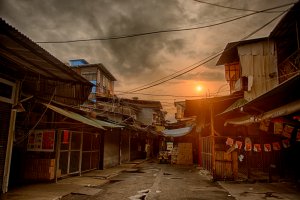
(87, 184)
(90, 184)
(259, 191)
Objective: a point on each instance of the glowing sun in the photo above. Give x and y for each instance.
(199, 88)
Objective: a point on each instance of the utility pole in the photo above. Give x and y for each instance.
(212, 139)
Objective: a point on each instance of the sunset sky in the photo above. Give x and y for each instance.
(140, 60)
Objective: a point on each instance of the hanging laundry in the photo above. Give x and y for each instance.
(298, 136)
(278, 128)
(286, 143)
(287, 131)
(276, 146)
(229, 141)
(238, 144)
(267, 147)
(257, 148)
(264, 125)
(248, 144)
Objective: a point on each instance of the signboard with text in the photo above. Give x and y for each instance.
(41, 140)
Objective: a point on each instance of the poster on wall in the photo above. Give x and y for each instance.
(169, 146)
(287, 131)
(298, 135)
(41, 140)
(278, 128)
(264, 125)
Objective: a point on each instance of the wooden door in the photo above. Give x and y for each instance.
(226, 165)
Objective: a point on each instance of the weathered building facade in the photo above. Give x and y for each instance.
(29, 76)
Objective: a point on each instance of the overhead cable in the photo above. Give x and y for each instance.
(160, 31)
(232, 8)
(210, 57)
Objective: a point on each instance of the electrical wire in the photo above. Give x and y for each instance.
(161, 31)
(209, 58)
(232, 8)
(37, 123)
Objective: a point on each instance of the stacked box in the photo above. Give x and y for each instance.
(174, 154)
(40, 169)
(185, 154)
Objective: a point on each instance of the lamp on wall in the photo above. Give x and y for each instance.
(19, 107)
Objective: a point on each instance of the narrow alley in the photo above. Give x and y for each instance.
(151, 180)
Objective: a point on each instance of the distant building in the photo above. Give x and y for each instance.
(180, 107)
(97, 74)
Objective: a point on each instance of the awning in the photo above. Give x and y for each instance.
(83, 119)
(237, 104)
(278, 112)
(31, 59)
(177, 132)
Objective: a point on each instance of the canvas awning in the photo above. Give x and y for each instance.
(83, 119)
(177, 132)
(278, 112)
(236, 105)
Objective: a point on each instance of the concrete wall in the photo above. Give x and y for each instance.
(111, 148)
(125, 146)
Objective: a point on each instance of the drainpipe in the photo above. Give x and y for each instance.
(120, 146)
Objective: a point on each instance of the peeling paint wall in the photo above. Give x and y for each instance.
(259, 64)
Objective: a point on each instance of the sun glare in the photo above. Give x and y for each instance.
(199, 88)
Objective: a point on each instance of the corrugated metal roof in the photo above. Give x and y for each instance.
(230, 53)
(284, 93)
(237, 104)
(30, 58)
(83, 119)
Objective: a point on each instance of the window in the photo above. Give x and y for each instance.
(232, 72)
(7, 91)
(90, 76)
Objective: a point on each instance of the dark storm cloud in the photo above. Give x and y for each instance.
(67, 20)
(205, 76)
(50, 20)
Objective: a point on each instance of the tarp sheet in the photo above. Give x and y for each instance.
(75, 116)
(177, 132)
